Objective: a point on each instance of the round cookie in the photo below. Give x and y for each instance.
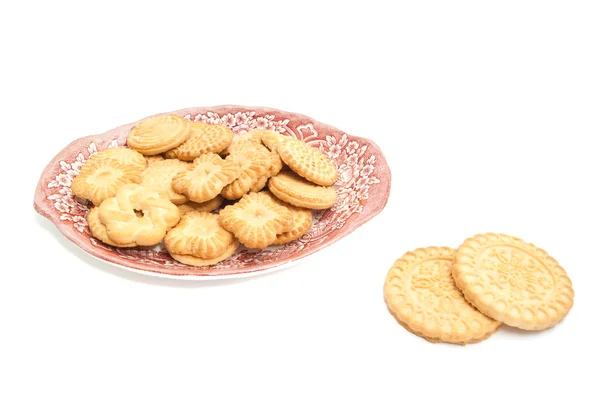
(204, 138)
(420, 293)
(295, 190)
(513, 281)
(199, 262)
(307, 161)
(159, 175)
(158, 134)
(121, 155)
(271, 139)
(198, 234)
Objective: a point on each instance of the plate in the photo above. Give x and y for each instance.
(363, 188)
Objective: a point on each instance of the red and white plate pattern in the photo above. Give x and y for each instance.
(363, 187)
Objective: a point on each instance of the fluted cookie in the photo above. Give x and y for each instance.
(421, 294)
(159, 176)
(207, 206)
(204, 138)
(206, 177)
(98, 229)
(100, 179)
(301, 222)
(256, 220)
(254, 161)
(158, 134)
(153, 159)
(295, 190)
(199, 262)
(307, 161)
(121, 155)
(137, 215)
(198, 234)
(513, 281)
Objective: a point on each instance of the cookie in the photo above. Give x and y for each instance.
(159, 175)
(256, 220)
(198, 234)
(271, 139)
(158, 134)
(153, 159)
(98, 229)
(240, 140)
(207, 206)
(295, 190)
(260, 183)
(301, 222)
(513, 281)
(276, 164)
(421, 294)
(206, 177)
(307, 162)
(204, 138)
(137, 215)
(121, 155)
(199, 262)
(101, 178)
(254, 161)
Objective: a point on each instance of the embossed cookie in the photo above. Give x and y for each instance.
(159, 175)
(207, 206)
(240, 140)
(271, 139)
(295, 190)
(420, 293)
(158, 134)
(121, 155)
(98, 229)
(199, 262)
(254, 161)
(256, 220)
(513, 281)
(301, 222)
(206, 177)
(137, 215)
(100, 179)
(198, 234)
(204, 138)
(307, 162)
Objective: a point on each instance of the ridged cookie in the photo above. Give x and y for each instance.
(239, 140)
(100, 179)
(159, 176)
(153, 159)
(254, 161)
(158, 134)
(307, 161)
(301, 222)
(256, 220)
(207, 206)
(295, 190)
(204, 138)
(513, 281)
(198, 234)
(421, 294)
(206, 177)
(121, 155)
(199, 262)
(98, 229)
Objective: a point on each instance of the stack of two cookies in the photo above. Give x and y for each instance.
(463, 296)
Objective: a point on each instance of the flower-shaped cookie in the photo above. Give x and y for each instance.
(198, 234)
(254, 161)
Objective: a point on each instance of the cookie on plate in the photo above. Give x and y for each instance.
(295, 190)
(159, 175)
(158, 134)
(204, 138)
(207, 206)
(98, 229)
(301, 222)
(307, 161)
(271, 139)
(121, 155)
(254, 161)
(199, 262)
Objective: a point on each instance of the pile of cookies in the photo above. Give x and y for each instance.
(463, 295)
(173, 173)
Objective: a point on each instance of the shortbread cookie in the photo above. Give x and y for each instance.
(301, 222)
(295, 190)
(271, 139)
(204, 138)
(207, 206)
(206, 177)
(513, 281)
(199, 262)
(254, 161)
(153, 159)
(420, 292)
(158, 134)
(307, 161)
(98, 229)
(240, 140)
(100, 179)
(198, 234)
(159, 175)
(260, 183)
(121, 155)
(256, 220)
(137, 215)
(276, 164)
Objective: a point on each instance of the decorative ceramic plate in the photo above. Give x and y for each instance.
(363, 187)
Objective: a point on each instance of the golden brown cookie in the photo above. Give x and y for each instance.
(254, 161)
(307, 162)
(159, 175)
(513, 281)
(240, 140)
(276, 164)
(121, 155)
(295, 190)
(198, 234)
(204, 138)
(301, 222)
(256, 220)
(137, 215)
(271, 139)
(153, 159)
(420, 293)
(98, 229)
(158, 134)
(206, 177)
(199, 262)
(207, 206)
(100, 179)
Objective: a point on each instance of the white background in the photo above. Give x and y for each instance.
(489, 118)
